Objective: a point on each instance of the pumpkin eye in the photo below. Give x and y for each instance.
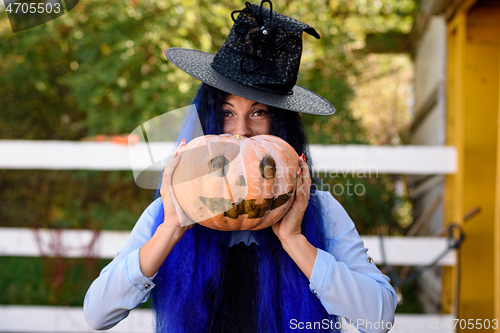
(241, 181)
(218, 166)
(267, 167)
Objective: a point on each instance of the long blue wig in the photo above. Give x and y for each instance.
(189, 284)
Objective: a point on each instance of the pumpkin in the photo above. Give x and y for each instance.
(228, 182)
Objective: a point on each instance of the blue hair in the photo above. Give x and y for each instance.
(189, 284)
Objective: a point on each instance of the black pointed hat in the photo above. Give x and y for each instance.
(259, 61)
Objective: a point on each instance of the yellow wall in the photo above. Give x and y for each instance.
(454, 122)
(480, 139)
(472, 126)
(496, 255)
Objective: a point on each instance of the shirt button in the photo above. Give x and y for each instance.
(147, 286)
(369, 259)
(315, 292)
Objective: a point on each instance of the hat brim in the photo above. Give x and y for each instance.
(197, 64)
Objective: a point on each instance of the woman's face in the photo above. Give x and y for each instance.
(245, 117)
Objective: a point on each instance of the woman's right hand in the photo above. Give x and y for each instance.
(157, 248)
(174, 215)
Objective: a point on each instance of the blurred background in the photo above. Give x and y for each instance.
(401, 74)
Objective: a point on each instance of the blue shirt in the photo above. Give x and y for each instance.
(344, 278)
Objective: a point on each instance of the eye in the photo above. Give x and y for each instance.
(227, 113)
(267, 167)
(218, 166)
(260, 112)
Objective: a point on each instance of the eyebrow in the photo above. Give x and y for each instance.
(253, 104)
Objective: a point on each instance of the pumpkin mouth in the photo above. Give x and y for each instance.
(249, 207)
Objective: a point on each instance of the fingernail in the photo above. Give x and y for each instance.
(176, 153)
(303, 157)
(299, 174)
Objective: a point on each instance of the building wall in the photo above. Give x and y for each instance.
(473, 102)
(481, 97)
(430, 60)
(430, 107)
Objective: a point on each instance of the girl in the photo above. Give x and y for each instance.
(303, 273)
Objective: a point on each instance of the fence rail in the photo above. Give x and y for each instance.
(24, 242)
(57, 319)
(342, 159)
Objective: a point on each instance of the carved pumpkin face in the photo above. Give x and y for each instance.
(229, 183)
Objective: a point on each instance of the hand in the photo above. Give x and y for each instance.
(290, 224)
(174, 215)
(154, 252)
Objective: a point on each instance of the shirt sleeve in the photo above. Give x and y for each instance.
(345, 279)
(121, 286)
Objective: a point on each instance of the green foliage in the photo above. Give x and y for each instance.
(70, 199)
(99, 69)
(411, 303)
(48, 281)
(369, 199)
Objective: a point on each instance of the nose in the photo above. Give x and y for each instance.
(242, 127)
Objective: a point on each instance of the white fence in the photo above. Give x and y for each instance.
(415, 251)
(67, 155)
(71, 155)
(400, 251)
(52, 319)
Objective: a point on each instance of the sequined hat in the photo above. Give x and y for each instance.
(259, 61)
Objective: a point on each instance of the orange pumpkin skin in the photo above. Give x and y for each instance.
(229, 183)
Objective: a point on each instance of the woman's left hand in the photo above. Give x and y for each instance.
(290, 224)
